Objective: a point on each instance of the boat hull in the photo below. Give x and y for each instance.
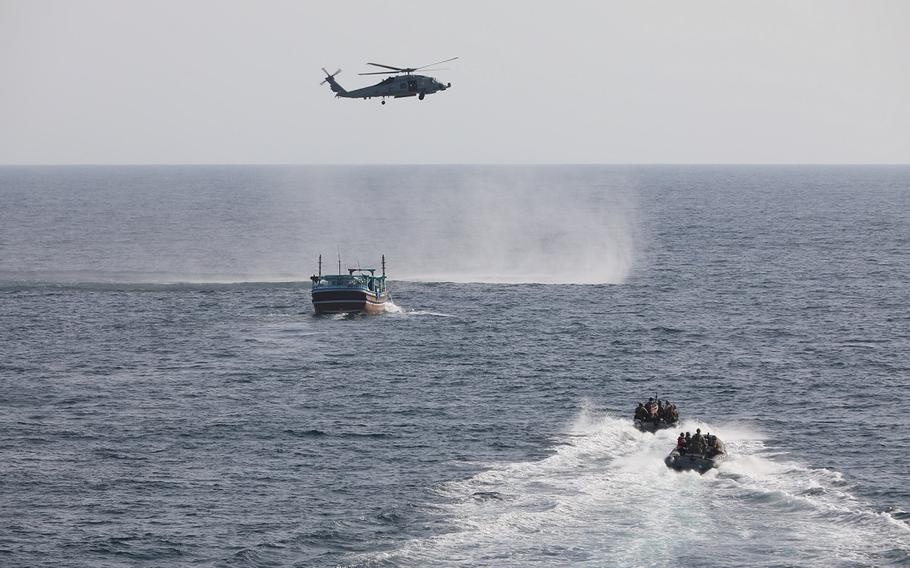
(339, 301)
(653, 426)
(693, 462)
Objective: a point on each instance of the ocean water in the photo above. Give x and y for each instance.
(168, 398)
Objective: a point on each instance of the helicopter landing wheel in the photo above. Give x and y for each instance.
(383, 102)
(421, 95)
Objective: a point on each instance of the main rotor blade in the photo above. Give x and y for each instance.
(437, 63)
(381, 73)
(386, 66)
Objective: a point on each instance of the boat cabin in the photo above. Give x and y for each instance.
(356, 278)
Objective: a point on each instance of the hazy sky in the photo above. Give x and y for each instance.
(92, 81)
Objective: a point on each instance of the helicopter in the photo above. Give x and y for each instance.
(403, 84)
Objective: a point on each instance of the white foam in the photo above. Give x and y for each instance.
(391, 307)
(605, 497)
(430, 313)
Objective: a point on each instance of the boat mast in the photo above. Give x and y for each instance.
(339, 261)
(383, 266)
(320, 266)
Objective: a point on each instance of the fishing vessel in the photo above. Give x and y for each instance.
(360, 290)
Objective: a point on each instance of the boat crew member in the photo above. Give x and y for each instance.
(652, 408)
(672, 413)
(697, 444)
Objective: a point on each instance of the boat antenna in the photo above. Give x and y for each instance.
(383, 265)
(339, 260)
(320, 266)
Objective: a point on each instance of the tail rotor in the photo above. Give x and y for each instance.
(328, 76)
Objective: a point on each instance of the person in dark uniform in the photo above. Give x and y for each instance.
(697, 444)
(672, 415)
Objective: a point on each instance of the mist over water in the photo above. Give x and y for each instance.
(234, 224)
(511, 225)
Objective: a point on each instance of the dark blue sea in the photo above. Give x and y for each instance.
(168, 397)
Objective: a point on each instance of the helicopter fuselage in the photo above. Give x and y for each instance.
(397, 87)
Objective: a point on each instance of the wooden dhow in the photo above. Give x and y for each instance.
(358, 291)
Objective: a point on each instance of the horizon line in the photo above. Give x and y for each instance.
(337, 164)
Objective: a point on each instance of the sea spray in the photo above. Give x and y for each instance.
(554, 224)
(605, 497)
(493, 224)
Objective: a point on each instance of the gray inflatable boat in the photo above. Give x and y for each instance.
(695, 462)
